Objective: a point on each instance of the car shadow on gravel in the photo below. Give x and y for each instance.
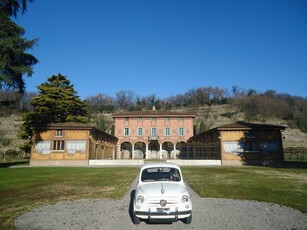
(131, 204)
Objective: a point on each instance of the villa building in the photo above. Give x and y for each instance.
(64, 144)
(155, 134)
(152, 134)
(240, 143)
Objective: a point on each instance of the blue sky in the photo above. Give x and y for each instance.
(166, 47)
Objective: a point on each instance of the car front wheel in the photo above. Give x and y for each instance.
(136, 220)
(188, 220)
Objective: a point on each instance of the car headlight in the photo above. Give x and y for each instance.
(185, 199)
(140, 199)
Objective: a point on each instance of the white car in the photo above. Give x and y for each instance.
(161, 194)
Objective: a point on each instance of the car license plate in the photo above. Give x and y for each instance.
(163, 209)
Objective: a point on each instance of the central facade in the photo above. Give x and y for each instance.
(152, 134)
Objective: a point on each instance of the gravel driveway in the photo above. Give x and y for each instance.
(207, 214)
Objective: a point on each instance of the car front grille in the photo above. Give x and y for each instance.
(155, 201)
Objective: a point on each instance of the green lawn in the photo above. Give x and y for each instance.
(22, 189)
(286, 186)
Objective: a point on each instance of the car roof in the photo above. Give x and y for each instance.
(157, 165)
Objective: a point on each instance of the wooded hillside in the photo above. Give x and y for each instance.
(213, 107)
(210, 116)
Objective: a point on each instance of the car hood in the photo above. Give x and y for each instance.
(162, 189)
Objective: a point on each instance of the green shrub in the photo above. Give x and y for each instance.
(11, 154)
(295, 153)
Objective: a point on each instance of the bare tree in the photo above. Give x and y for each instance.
(217, 94)
(125, 98)
(100, 103)
(176, 101)
(237, 92)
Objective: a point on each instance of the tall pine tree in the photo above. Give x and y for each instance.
(11, 7)
(14, 59)
(56, 102)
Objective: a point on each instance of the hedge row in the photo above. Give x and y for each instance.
(295, 153)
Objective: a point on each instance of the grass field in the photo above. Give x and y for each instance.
(22, 189)
(285, 186)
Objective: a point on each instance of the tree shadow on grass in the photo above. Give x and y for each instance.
(292, 164)
(14, 163)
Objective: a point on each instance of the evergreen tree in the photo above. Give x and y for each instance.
(202, 127)
(153, 101)
(56, 102)
(141, 103)
(101, 124)
(14, 61)
(11, 7)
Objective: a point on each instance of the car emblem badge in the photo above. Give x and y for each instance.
(163, 203)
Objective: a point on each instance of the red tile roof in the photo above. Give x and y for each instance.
(66, 125)
(153, 113)
(71, 126)
(241, 125)
(244, 125)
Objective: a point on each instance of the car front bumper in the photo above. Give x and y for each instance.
(163, 214)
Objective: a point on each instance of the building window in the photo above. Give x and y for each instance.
(140, 131)
(58, 145)
(181, 131)
(167, 131)
(140, 119)
(59, 133)
(154, 133)
(43, 147)
(269, 146)
(126, 118)
(154, 119)
(180, 119)
(167, 119)
(251, 146)
(250, 134)
(233, 147)
(126, 131)
(76, 146)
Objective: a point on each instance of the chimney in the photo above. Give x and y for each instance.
(153, 108)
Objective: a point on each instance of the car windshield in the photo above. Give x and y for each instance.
(160, 174)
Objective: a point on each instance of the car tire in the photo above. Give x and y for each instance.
(188, 220)
(136, 220)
